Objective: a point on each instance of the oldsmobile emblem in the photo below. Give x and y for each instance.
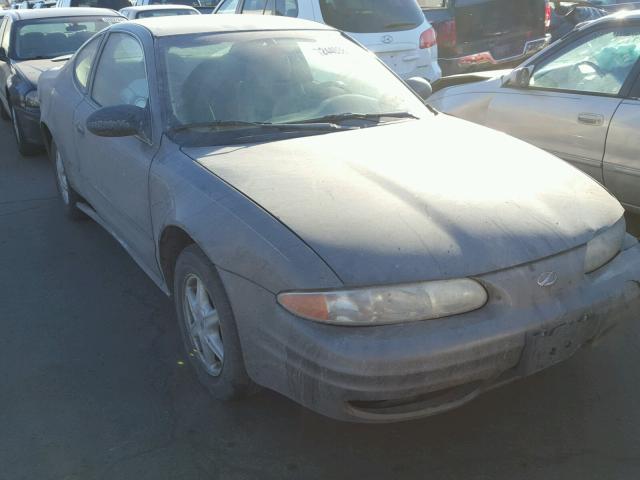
(547, 279)
(387, 39)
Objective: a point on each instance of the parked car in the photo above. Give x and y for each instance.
(111, 4)
(484, 34)
(33, 41)
(263, 171)
(565, 16)
(578, 100)
(191, 3)
(133, 13)
(396, 31)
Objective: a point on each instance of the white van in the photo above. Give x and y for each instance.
(396, 30)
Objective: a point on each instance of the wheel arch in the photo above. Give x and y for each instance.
(173, 240)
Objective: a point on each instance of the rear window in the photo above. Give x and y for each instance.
(372, 16)
(190, 3)
(166, 12)
(110, 4)
(53, 37)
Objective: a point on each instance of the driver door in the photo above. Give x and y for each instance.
(115, 170)
(572, 96)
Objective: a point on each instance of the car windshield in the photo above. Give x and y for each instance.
(372, 16)
(190, 3)
(166, 12)
(279, 78)
(54, 37)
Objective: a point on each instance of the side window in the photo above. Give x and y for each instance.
(254, 6)
(121, 77)
(287, 8)
(228, 6)
(84, 60)
(597, 63)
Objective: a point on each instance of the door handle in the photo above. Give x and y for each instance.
(80, 128)
(593, 119)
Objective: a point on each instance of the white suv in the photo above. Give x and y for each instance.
(396, 30)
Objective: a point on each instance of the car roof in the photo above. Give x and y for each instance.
(194, 24)
(622, 15)
(36, 13)
(157, 7)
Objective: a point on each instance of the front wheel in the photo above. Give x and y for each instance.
(208, 326)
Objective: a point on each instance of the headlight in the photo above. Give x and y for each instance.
(387, 305)
(604, 246)
(31, 99)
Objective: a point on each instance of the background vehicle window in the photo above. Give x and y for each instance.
(165, 13)
(254, 6)
(287, 8)
(432, 3)
(5, 37)
(52, 37)
(121, 74)
(600, 63)
(372, 16)
(228, 6)
(84, 60)
(112, 4)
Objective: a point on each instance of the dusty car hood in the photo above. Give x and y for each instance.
(418, 200)
(32, 69)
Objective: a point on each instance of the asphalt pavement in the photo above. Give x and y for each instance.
(93, 384)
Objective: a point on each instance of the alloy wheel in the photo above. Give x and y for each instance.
(203, 325)
(61, 176)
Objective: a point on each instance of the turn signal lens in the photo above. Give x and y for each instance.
(428, 38)
(387, 305)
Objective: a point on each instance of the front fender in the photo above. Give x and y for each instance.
(236, 234)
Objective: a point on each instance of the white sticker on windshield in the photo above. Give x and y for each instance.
(113, 19)
(331, 50)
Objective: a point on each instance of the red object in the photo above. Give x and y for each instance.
(447, 34)
(547, 15)
(428, 38)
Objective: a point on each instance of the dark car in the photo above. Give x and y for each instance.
(33, 41)
(481, 34)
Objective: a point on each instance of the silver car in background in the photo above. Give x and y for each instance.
(578, 99)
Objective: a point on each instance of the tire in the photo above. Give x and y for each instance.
(25, 148)
(68, 195)
(221, 369)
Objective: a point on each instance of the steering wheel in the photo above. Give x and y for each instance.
(594, 66)
(349, 102)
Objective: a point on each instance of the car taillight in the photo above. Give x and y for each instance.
(547, 15)
(428, 38)
(447, 34)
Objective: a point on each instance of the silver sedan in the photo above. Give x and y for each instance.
(579, 99)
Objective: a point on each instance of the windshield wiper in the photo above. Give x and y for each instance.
(372, 117)
(240, 124)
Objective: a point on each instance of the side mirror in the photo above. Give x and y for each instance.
(518, 78)
(421, 86)
(3, 55)
(117, 121)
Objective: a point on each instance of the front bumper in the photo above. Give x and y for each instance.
(484, 60)
(29, 121)
(402, 372)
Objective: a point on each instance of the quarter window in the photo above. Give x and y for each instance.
(121, 77)
(599, 63)
(84, 60)
(228, 6)
(287, 8)
(254, 6)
